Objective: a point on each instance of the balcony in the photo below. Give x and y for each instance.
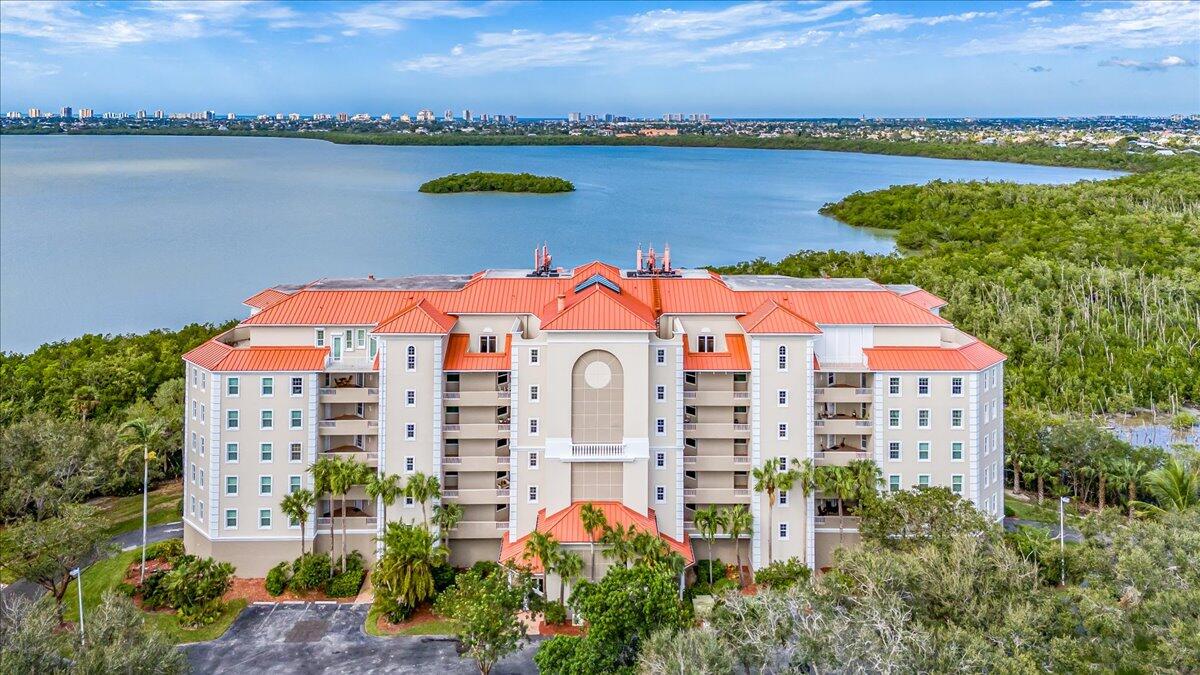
(349, 395)
(720, 397)
(348, 425)
(597, 451)
(718, 495)
(476, 430)
(479, 529)
(842, 394)
(839, 456)
(716, 430)
(716, 462)
(352, 523)
(843, 425)
(476, 495)
(351, 452)
(350, 362)
(846, 522)
(485, 398)
(476, 462)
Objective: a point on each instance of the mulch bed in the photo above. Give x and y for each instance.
(424, 614)
(559, 629)
(255, 590)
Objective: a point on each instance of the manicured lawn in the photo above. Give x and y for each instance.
(125, 513)
(1047, 512)
(106, 574)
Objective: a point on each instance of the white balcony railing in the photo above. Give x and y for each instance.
(597, 450)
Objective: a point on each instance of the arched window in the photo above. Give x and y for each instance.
(411, 364)
(783, 358)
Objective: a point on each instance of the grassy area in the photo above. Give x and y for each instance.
(106, 574)
(1047, 512)
(125, 513)
(434, 627)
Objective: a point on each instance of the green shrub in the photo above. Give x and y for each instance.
(126, 589)
(277, 578)
(718, 587)
(554, 613)
(354, 561)
(200, 614)
(718, 570)
(1009, 512)
(443, 577)
(394, 610)
(783, 574)
(154, 593)
(345, 584)
(310, 571)
(486, 568)
(165, 551)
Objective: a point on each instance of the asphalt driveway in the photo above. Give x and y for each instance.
(328, 638)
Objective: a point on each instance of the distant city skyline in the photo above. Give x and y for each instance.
(728, 60)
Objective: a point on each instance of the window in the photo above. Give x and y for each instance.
(297, 419)
(487, 344)
(533, 393)
(201, 477)
(266, 419)
(265, 452)
(893, 386)
(689, 378)
(894, 482)
(231, 419)
(410, 464)
(956, 418)
(349, 339)
(293, 484)
(923, 418)
(783, 358)
(533, 459)
(956, 484)
(533, 494)
(410, 432)
(893, 419)
(535, 356)
(410, 363)
(231, 452)
(268, 386)
(409, 502)
(706, 343)
(783, 430)
(660, 427)
(660, 493)
(202, 412)
(923, 451)
(783, 398)
(410, 398)
(660, 460)
(195, 409)
(660, 393)
(320, 337)
(297, 386)
(231, 519)
(195, 442)
(372, 346)
(193, 473)
(783, 531)
(533, 427)
(201, 507)
(783, 463)
(956, 386)
(783, 497)
(360, 337)
(922, 386)
(660, 356)
(923, 480)
(295, 452)
(232, 387)
(264, 486)
(956, 451)
(264, 518)
(894, 451)
(231, 485)
(193, 505)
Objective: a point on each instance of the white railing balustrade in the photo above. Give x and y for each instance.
(597, 450)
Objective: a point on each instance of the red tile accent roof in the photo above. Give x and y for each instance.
(737, 358)
(566, 526)
(217, 356)
(458, 358)
(598, 308)
(420, 317)
(970, 357)
(264, 298)
(924, 298)
(772, 318)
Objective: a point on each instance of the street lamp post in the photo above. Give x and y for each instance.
(1062, 545)
(78, 574)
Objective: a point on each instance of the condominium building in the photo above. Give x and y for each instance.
(652, 392)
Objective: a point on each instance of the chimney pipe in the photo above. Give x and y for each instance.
(666, 257)
(562, 302)
(639, 258)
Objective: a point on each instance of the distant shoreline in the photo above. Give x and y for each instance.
(1016, 154)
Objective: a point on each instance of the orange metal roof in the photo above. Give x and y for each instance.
(264, 298)
(971, 357)
(420, 317)
(771, 317)
(735, 359)
(924, 298)
(219, 357)
(458, 358)
(566, 526)
(598, 308)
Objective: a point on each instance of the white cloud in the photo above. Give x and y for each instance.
(1146, 66)
(319, 39)
(707, 25)
(898, 22)
(723, 67)
(1039, 4)
(767, 43)
(392, 16)
(1133, 25)
(519, 49)
(31, 69)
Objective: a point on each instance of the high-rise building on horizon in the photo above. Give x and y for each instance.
(159, 114)
(86, 113)
(573, 118)
(35, 113)
(466, 114)
(448, 115)
(141, 114)
(66, 112)
(424, 115)
(343, 117)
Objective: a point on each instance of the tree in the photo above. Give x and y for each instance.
(296, 505)
(85, 399)
(1174, 486)
(404, 574)
(543, 548)
(143, 436)
(595, 522)
(740, 522)
(344, 476)
(423, 488)
(46, 551)
(1129, 474)
(618, 539)
(447, 516)
(842, 483)
(769, 479)
(485, 607)
(1041, 467)
(383, 488)
(710, 522)
(908, 519)
(568, 565)
(868, 477)
(322, 472)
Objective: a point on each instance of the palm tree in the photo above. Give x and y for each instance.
(843, 484)
(618, 540)
(345, 475)
(595, 523)
(1041, 467)
(1129, 473)
(1175, 486)
(405, 571)
(868, 477)
(295, 505)
(383, 488)
(710, 522)
(739, 521)
(322, 471)
(423, 488)
(142, 435)
(1034, 544)
(544, 548)
(569, 565)
(769, 479)
(447, 516)
(648, 549)
(1015, 458)
(85, 399)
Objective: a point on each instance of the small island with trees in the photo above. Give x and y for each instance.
(483, 181)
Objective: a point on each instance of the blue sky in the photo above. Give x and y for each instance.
(741, 59)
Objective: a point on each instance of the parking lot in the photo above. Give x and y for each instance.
(320, 638)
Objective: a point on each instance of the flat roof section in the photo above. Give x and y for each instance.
(779, 282)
